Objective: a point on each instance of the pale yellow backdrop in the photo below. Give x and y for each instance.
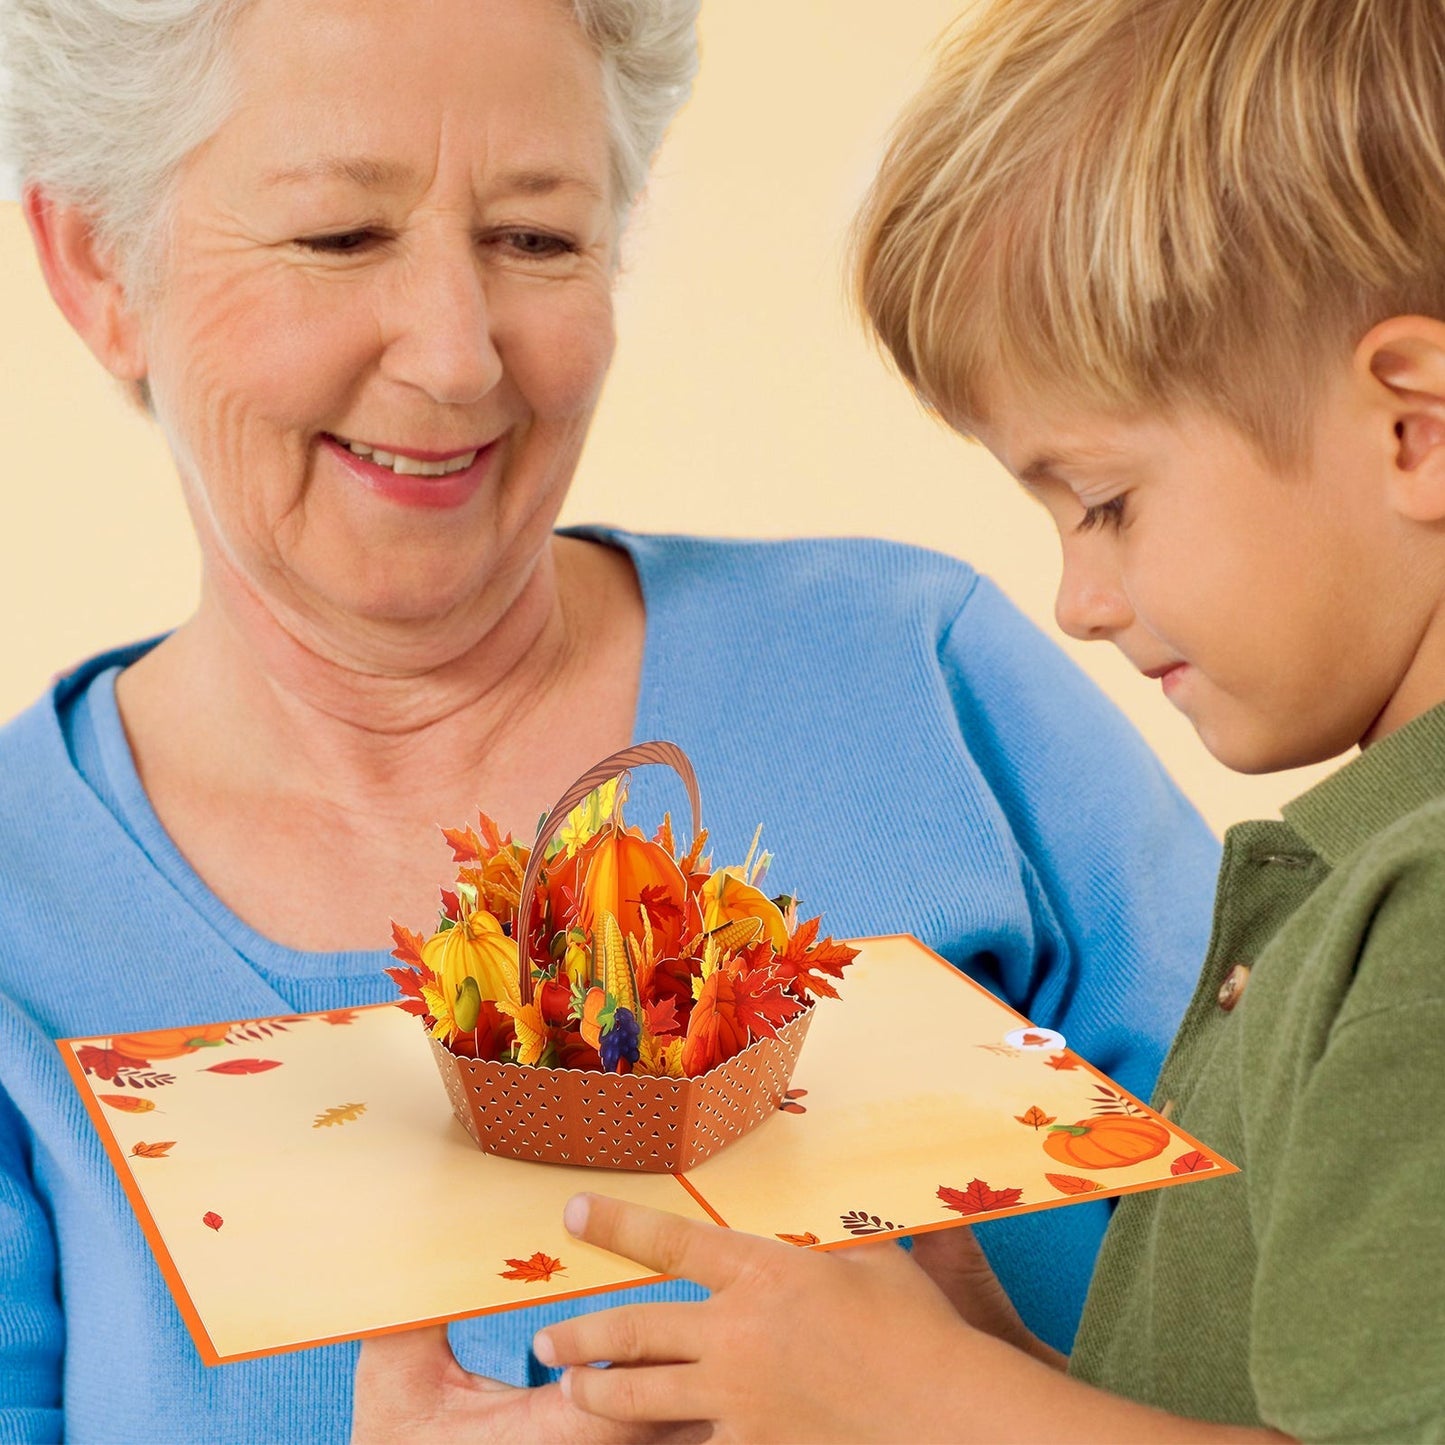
(744, 399)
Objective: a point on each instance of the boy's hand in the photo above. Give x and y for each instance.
(793, 1345)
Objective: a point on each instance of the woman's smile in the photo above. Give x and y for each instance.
(415, 477)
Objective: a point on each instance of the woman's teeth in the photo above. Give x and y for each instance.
(405, 466)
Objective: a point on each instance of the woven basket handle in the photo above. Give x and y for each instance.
(620, 762)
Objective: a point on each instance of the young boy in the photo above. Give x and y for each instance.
(1180, 265)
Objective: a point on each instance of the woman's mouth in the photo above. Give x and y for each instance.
(414, 477)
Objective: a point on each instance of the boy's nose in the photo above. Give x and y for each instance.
(1090, 605)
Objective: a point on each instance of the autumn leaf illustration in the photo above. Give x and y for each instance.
(978, 1198)
(129, 1102)
(340, 1015)
(802, 1240)
(1072, 1184)
(103, 1063)
(243, 1066)
(536, 1270)
(1065, 1060)
(339, 1114)
(408, 946)
(857, 1221)
(1035, 1116)
(1191, 1163)
(805, 962)
(212, 1220)
(465, 845)
(153, 1151)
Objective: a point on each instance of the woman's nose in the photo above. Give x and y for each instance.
(440, 339)
(1091, 604)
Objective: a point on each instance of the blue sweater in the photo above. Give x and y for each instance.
(873, 691)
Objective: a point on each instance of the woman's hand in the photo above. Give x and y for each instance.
(793, 1345)
(410, 1387)
(953, 1260)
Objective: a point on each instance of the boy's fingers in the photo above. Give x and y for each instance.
(665, 1242)
(651, 1392)
(660, 1334)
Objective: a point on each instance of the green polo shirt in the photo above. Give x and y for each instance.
(1308, 1291)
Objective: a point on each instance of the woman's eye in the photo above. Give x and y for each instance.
(535, 245)
(1105, 514)
(339, 243)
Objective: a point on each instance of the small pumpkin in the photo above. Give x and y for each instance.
(1107, 1141)
(145, 1048)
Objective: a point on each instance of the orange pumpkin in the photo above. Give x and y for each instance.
(168, 1043)
(624, 871)
(1108, 1141)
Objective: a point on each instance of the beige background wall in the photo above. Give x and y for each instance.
(744, 400)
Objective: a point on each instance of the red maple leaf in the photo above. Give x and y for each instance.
(802, 964)
(212, 1220)
(243, 1066)
(465, 845)
(538, 1269)
(761, 1005)
(663, 909)
(978, 1198)
(662, 1019)
(1191, 1163)
(451, 905)
(408, 946)
(101, 1062)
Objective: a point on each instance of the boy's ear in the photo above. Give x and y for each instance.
(83, 279)
(1406, 356)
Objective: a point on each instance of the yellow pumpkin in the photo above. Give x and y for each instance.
(475, 948)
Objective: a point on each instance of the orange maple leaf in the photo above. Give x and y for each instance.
(978, 1198)
(1035, 1116)
(799, 1239)
(661, 1017)
(803, 963)
(465, 845)
(536, 1270)
(408, 948)
(492, 834)
(1065, 1060)
(153, 1151)
(1072, 1184)
(1191, 1163)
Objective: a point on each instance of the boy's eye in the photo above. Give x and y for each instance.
(1105, 514)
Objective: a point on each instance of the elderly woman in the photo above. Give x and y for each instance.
(356, 257)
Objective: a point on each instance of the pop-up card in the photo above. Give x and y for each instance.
(598, 1024)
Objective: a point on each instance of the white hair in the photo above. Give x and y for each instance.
(106, 98)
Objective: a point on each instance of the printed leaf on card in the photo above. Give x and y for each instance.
(536, 1269)
(978, 1198)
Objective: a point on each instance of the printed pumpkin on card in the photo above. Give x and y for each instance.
(300, 1178)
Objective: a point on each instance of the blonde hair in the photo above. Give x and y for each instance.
(1131, 204)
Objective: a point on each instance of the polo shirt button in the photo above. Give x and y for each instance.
(1232, 989)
